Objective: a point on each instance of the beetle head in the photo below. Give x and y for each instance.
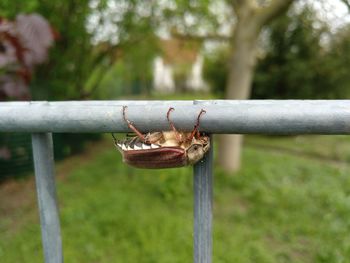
(197, 149)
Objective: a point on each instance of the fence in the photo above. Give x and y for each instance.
(15, 154)
(266, 116)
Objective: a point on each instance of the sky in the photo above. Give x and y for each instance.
(333, 11)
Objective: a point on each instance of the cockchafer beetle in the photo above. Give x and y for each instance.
(166, 149)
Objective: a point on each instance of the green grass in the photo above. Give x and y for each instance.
(281, 207)
(175, 96)
(335, 148)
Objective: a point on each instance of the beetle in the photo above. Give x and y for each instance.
(165, 149)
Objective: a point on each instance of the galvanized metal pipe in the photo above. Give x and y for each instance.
(264, 116)
(203, 203)
(47, 200)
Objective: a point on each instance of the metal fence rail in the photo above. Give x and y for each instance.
(266, 116)
(273, 117)
(47, 198)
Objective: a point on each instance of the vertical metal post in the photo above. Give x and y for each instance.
(203, 198)
(47, 200)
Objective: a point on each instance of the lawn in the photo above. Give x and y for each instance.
(289, 203)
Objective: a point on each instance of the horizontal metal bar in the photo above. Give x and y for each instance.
(222, 116)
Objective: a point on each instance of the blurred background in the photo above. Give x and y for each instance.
(276, 198)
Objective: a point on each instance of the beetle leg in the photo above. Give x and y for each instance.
(177, 134)
(131, 125)
(198, 134)
(195, 131)
(153, 137)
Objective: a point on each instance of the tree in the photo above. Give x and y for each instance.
(293, 52)
(295, 64)
(337, 64)
(196, 19)
(251, 17)
(72, 59)
(24, 44)
(294, 56)
(79, 62)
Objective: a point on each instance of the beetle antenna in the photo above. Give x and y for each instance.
(131, 125)
(114, 139)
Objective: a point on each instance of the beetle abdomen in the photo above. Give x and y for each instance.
(163, 157)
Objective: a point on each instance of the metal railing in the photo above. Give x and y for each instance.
(265, 116)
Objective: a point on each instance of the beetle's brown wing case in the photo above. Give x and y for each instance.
(164, 157)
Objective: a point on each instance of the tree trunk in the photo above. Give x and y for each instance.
(241, 70)
(250, 19)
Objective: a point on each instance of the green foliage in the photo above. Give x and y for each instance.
(15, 155)
(113, 84)
(282, 207)
(302, 59)
(191, 17)
(74, 58)
(337, 63)
(77, 65)
(298, 65)
(138, 65)
(10, 8)
(293, 66)
(216, 70)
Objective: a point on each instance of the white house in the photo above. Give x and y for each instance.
(180, 59)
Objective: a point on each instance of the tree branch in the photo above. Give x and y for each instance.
(347, 3)
(242, 3)
(274, 9)
(238, 5)
(201, 38)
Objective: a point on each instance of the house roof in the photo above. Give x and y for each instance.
(179, 51)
